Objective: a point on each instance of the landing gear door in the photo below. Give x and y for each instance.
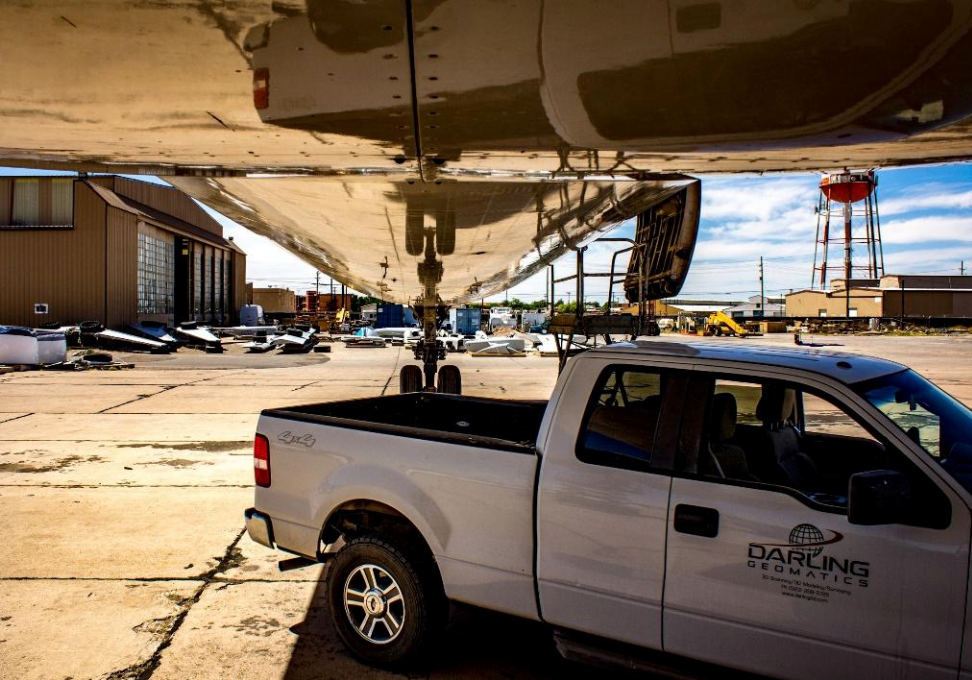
(771, 577)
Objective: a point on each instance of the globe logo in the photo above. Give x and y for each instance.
(807, 534)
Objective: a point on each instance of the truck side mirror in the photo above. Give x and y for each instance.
(879, 497)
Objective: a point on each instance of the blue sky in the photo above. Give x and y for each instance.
(926, 226)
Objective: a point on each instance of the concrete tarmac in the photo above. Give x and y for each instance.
(122, 495)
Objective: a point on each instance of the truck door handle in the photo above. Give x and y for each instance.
(696, 520)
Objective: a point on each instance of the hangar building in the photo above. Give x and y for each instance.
(115, 250)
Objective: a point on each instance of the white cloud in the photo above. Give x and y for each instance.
(928, 229)
(267, 263)
(929, 197)
(740, 200)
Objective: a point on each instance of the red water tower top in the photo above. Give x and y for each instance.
(848, 187)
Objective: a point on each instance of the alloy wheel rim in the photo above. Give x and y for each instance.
(374, 604)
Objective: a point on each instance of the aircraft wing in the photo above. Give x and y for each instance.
(470, 92)
(463, 239)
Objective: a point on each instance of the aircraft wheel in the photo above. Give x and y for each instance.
(414, 234)
(450, 380)
(445, 234)
(410, 379)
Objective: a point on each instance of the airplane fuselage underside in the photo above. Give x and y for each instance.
(393, 143)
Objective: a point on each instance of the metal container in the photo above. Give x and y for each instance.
(465, 321)
(18, 346)
(389, 315)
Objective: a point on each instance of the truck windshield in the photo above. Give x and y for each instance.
(931, 418)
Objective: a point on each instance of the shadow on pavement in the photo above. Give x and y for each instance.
(478, 644)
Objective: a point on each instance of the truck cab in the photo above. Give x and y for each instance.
(789, 513)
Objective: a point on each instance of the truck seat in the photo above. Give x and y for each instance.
(723, 459)
(776, 457)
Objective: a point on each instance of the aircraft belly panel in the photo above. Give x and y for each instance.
(523, 87)
(468, 239)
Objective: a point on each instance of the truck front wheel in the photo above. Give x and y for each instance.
(387, 605)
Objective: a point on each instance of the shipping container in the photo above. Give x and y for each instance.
(390, 315)
(465, 320)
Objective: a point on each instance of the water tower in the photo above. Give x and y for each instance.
(848, 199)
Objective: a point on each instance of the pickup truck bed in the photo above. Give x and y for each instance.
(489, 423)
(462, 470)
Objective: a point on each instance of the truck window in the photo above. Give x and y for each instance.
(783, 435)
(932, 419)
(620, 422)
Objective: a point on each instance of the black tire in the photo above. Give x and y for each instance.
(445, 233)
(421, 612)
(450, 380)
(410, 379)
(414, 234)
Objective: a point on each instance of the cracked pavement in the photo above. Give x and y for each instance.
(123, 495)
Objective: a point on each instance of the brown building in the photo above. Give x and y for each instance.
(892, 296)
(114, 250)
(275, 300)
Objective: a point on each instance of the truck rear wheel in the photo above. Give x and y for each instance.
(387, 605)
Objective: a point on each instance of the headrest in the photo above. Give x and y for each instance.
(776, 405)
(722, 418)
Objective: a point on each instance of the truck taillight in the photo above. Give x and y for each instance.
(261, 88)
(261, 460)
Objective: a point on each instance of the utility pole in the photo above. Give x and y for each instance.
(317, 288)
(762, 290)
(962, 267)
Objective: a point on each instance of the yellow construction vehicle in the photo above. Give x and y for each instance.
(719, 323)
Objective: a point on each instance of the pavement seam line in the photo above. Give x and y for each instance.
(145, 670)
(165, 388)
(126, 486)
(395, 370)
(4, 422)
(220, 580)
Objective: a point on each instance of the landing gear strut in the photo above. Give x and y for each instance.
(430, 350)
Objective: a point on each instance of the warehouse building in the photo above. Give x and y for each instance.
(113, 250)
(894, 296)
(274, 300)
(758, 307)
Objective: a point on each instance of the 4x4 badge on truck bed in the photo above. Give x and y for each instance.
(289, 437)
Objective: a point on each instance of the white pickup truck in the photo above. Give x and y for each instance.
(792, 513)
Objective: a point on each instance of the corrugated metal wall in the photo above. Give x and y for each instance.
(6, 199)
(927, 303)
(238, 292)
(121, 293)
(167, 200)
(90, 272)
(809, 303)
(64, 268)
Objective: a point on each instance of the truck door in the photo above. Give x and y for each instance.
(764, 570)
(602, 512)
